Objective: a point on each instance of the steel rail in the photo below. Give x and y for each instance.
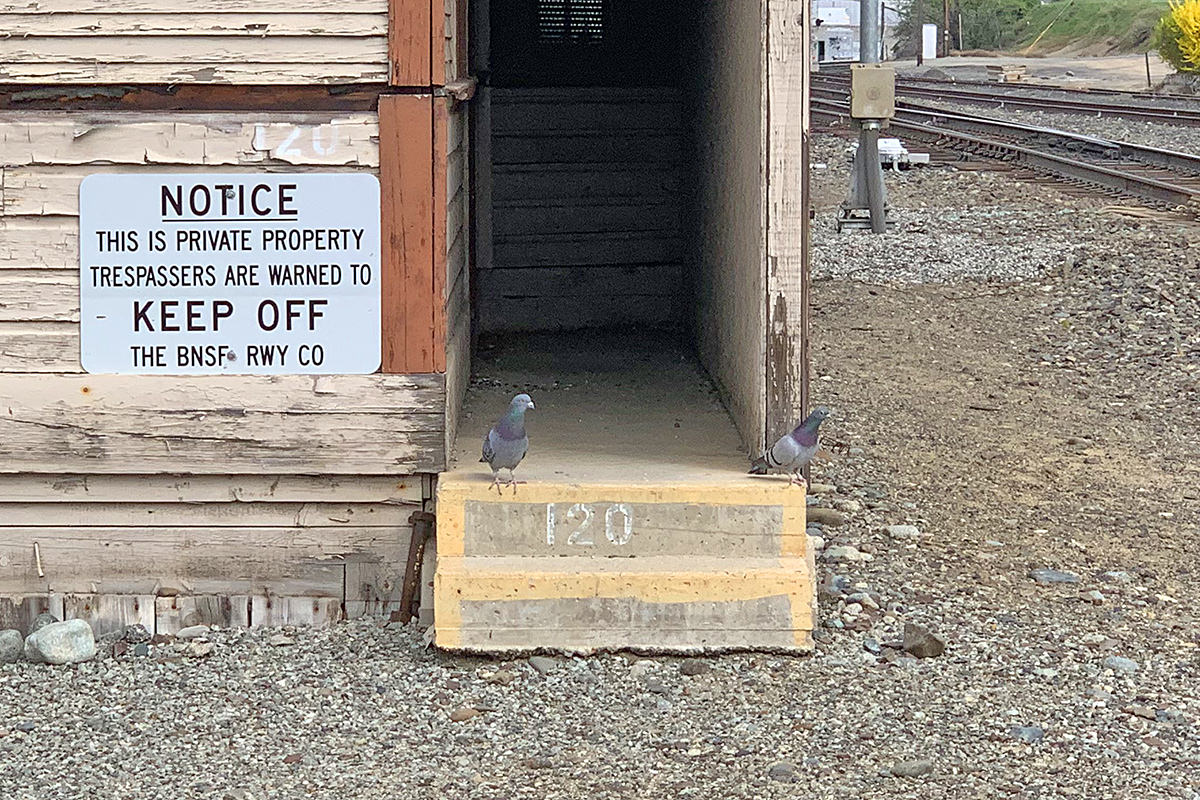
(1072, 169)
(1154, 156)
(1126, 110)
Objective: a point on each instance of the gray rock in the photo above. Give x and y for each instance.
(1027, 733)
(1045, 575)
(281, 640)
(67, 642)
(543, 664)
(655, 686)
(912, 769)
(200, 649)
(844, 552)
(1121, 664)
(921, 642)
(872, 646)
(903, 531)
(12, 646)
(135, 634)
(141, 649)
(694, 666)
(40, 621)
(1116, 576)
(1139, 710)
(826, 516)
(782, 771)
(192, 632)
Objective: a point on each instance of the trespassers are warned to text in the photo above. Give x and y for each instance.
(229, 273)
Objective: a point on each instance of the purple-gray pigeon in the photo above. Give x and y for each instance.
(793, 451)
(506, 443)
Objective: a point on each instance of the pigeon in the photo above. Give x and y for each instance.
(793, 451)
(506, 443)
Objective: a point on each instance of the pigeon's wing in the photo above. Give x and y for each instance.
(489, 448)
(784, 453)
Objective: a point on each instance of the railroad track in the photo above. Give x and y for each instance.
(1160, 177)
(1128, 105)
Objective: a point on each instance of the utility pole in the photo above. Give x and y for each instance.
(918, 20)
(946, 29)
(872, 101)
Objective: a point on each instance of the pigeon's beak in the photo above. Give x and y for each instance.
(531, 405)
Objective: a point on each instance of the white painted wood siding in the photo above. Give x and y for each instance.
(193, 41)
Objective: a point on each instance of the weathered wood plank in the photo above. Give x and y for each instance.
(622, 147)
(110, 613)
(39, 242)
(192, 7)
(373, 587)
(39, 347)
(19, 612)
(586, 182)
(196, 489)
(409, 53)
(786, 101)
(553, 249)
(172, 614)
(196, 72)
(201, 515)
(274, 611)
(255, 24)
(171, 138)
(131, 50)
(54, 190)
(441, 123)
(376, 424)
(406, 145)
(39, 296)
(169, 561)
(529, 217)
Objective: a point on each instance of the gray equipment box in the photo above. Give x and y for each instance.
(872, 91)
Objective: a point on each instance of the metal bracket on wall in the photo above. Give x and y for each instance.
(424, 525)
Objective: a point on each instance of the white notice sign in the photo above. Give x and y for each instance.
(229, 273)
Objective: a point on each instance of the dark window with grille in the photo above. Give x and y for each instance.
(571, 21)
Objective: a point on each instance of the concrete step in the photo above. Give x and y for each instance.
(674, 567)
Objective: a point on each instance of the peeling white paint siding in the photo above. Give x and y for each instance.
(193, 41)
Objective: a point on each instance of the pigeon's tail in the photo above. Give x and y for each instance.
(759, 466)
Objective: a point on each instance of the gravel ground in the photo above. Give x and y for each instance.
(1022, 392)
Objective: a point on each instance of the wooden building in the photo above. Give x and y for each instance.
(546, 167)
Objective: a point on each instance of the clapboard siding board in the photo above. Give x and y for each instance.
(39, 296)
(652, 148)
(182, 139)
(456, 300)
(196, 489)
(193, 7)
(54, 190)
(213, 560)
(552, 249)
(256, 25)
(192, 515)
(585, 209)
(225, 72)
(38, 241)
(194, 41)
(374, 424)
(523, 217)
(584, 182)
(528, 314)
(39, 347)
